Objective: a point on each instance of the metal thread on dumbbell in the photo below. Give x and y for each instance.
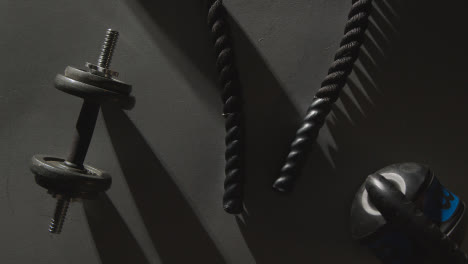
(83, 134)
(108, 48)
(89, 111)
(57, 221)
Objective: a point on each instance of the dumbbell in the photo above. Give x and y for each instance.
(404, 215)
(69, 179)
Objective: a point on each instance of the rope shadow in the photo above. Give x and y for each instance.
(175, 230)
(179, 27)
(191, 37)
(410, 119)
(303, 226)
(270, 117)
(382, 112)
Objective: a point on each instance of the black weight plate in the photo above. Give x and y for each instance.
(98, 81)
(53, 174)
(91, 92)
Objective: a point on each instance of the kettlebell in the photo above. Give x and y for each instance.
(404, 215)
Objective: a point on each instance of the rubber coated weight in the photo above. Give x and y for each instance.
(55, 175)
(96, 80)
(92, 93)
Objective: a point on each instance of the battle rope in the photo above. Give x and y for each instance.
(231, 97)
(327, 95)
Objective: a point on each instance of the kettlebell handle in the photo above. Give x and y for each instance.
(397, 209)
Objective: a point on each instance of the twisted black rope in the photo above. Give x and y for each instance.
(231, 96)
(327, 95)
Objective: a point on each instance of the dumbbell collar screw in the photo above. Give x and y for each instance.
(104, 72)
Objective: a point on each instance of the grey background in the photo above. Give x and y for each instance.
(405, 101)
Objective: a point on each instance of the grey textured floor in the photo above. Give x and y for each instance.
(405, 101)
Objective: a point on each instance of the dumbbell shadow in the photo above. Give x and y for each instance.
(104, 219)
(165, 211)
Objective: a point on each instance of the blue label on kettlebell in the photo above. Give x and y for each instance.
(395, 247)
(439, 203)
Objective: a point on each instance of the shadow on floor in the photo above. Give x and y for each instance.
(174, 228)
(114, 241)
(393, 110)
(179, 29)
(404, 102)
(185, 31)
(270, 117)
